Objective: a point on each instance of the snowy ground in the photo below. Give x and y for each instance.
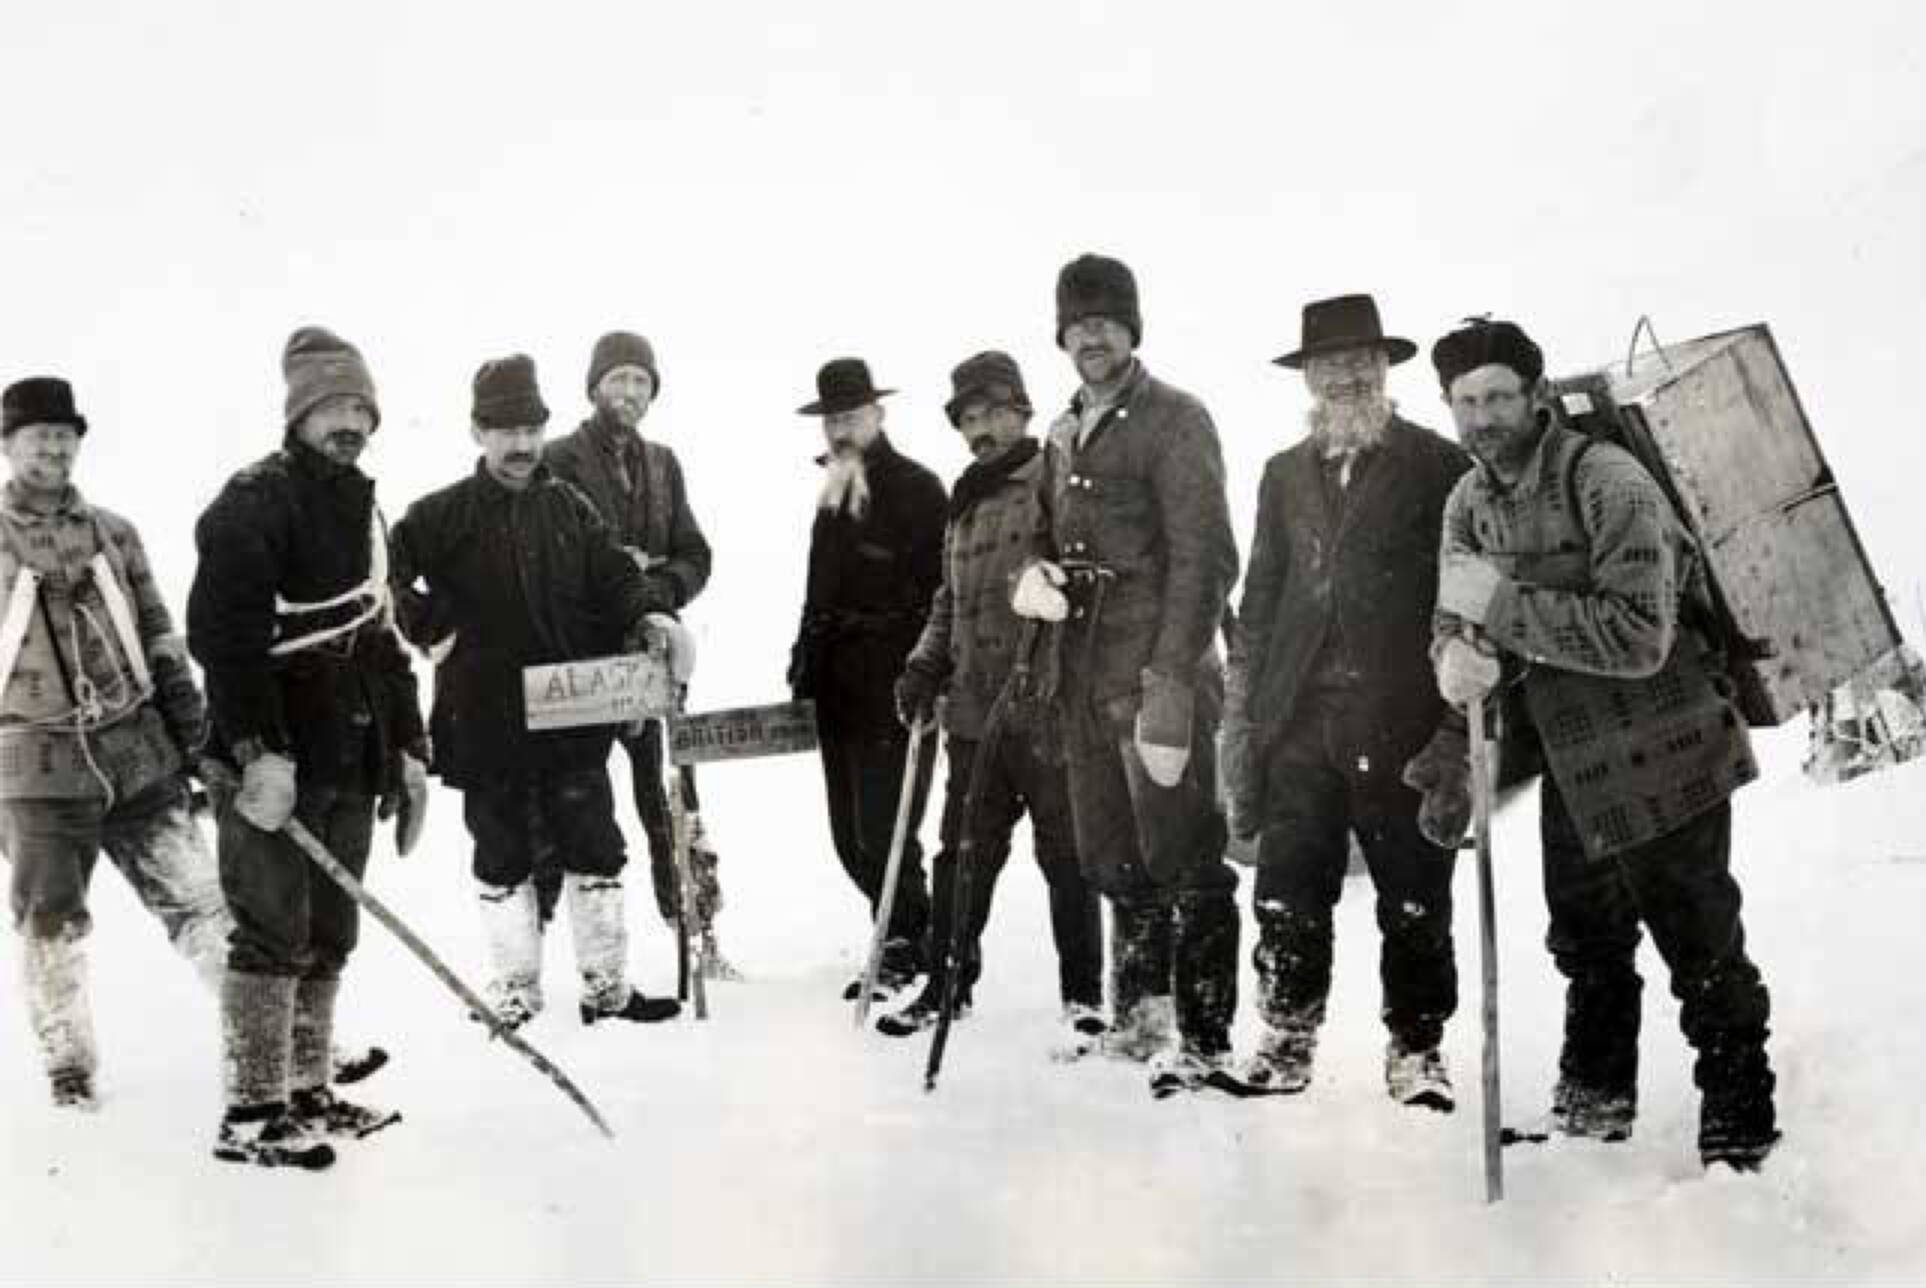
(774, 1143)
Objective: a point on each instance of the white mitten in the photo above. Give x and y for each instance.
(1036, 595)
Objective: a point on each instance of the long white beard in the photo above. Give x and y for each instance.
(845, 487)
(1347, 426)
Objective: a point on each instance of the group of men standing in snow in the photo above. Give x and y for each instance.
(1057, 614)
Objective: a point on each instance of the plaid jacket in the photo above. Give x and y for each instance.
(1626, 702)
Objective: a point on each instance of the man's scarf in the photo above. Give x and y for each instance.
(985, 477)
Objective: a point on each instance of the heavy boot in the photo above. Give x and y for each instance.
(1591, 1112)
(903, 960)
(1290, 1020)
(311, 1101)
(1143, 1015)
(55, 971)
(257, 1034)
(926, 1008)
(1204, 952)
(1738, 1122)
(1417, 1076)
(1083, 1032)
(600, 923)
(511, 931)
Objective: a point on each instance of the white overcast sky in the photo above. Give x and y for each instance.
(760, 186)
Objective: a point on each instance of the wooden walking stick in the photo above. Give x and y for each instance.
(887, 903)
(1488, 948)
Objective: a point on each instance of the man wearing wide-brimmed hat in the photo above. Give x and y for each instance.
(966, 655)
(875, 561)
(516, 566)
(1137, 564)
(637, 486)
(99, 719)
(1334, 697)
(313, 703)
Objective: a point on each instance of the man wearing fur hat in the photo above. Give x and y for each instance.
(313, 701)
(1337, 696)
(966, 653)
(875, 560)
(1140, 559)
(99, 719)
(516, 566)
(636, 484)
(1564, 570)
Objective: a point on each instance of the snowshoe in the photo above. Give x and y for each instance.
(640, 1008)
(1418, 1078)
(74, 1089)
(1083, 1032)
(318, 1111)
(267, 1136)
(353, 1066)
(923, 1013)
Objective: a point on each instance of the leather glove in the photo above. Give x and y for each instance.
(1465, 671)
(1466, 584)
(1036, 595)
(407, 804)
(1442, 772)
(916, 690)
(1163, 728)
(267, 793)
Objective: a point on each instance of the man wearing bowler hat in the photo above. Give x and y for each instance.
(875, 561)
(99, 719)
(1137, 563)
(637, 486)
(1336, 699)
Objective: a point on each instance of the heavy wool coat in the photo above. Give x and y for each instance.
(1628, 702)
(1349, 578)
(972, 633)
(295, 527)
(870, 584)
(70, 643)
(1143, 496)
(521, 578)
(637, 487)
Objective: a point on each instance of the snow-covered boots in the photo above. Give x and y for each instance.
(1418, 1077)
(599, 920)
(257, 1033)
(1204, 978)
(1143, 1016)
(312, 1102)
(1286, 1049)
(903, 960)
(1592, 1112)
(55, 971)
(511, 930)
(1738, 1124)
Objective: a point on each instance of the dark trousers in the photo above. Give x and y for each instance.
(1017, 779)
(290, 918)
(563, 817)
(862, 778)
(1157, 853)
(652, 807)
(1681, 888)
(1321, 789)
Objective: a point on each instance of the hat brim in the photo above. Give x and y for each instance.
(1396, 348)
(830, 406)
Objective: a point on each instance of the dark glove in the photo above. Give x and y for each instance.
(916, 690)
(1442, 771)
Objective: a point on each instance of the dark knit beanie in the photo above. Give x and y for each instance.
(1096, 286)
(992, 375)
(39, 400)
(622, 349)
(1481, 342)
(506, 395)
(319, 365)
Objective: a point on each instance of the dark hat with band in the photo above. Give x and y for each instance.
(1344, 322)
(843, 384)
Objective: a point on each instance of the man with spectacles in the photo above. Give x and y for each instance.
(1566, 576)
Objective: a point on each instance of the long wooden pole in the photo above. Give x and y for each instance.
(1481, 789)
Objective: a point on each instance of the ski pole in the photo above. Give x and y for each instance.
(299, 834)
(1488, 948)
(960, 914)
(687, 971)
(886, 904)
